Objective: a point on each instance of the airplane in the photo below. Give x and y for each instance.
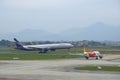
(88, 54)
(43, 47)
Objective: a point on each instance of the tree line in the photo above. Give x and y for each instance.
(7, 43)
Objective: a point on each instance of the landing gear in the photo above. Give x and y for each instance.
(86, 57)
(100, 57)
(96, 57)
(43, 51)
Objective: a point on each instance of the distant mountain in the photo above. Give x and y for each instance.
(98, 31)
(29, 35)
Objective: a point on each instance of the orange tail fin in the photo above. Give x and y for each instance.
(84, 48)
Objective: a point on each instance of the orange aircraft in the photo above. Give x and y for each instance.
(89, 54)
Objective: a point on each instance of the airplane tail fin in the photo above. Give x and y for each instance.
(84, 49)
(18, 44)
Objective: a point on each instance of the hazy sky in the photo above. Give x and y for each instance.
(56, 15)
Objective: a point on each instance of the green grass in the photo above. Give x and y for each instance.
(36, 56)
(64, 51)
(99, 68)
(11, 53)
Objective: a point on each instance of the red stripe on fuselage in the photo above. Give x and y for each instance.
(91, 54)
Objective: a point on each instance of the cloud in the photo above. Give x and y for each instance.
(32, 3)
(58, 3)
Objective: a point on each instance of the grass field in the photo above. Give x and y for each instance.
(64, 51)
(36, 56)
(12, 54)
(99, 68)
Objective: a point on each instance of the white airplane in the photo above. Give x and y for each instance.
(43, 47)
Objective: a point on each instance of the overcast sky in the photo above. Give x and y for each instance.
(56, 15)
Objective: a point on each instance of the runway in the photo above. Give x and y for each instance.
(54, 70)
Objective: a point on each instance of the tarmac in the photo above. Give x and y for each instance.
(56, 69)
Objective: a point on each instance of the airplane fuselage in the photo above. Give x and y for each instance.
(48, 46)
(95, 54)
(91, 54)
